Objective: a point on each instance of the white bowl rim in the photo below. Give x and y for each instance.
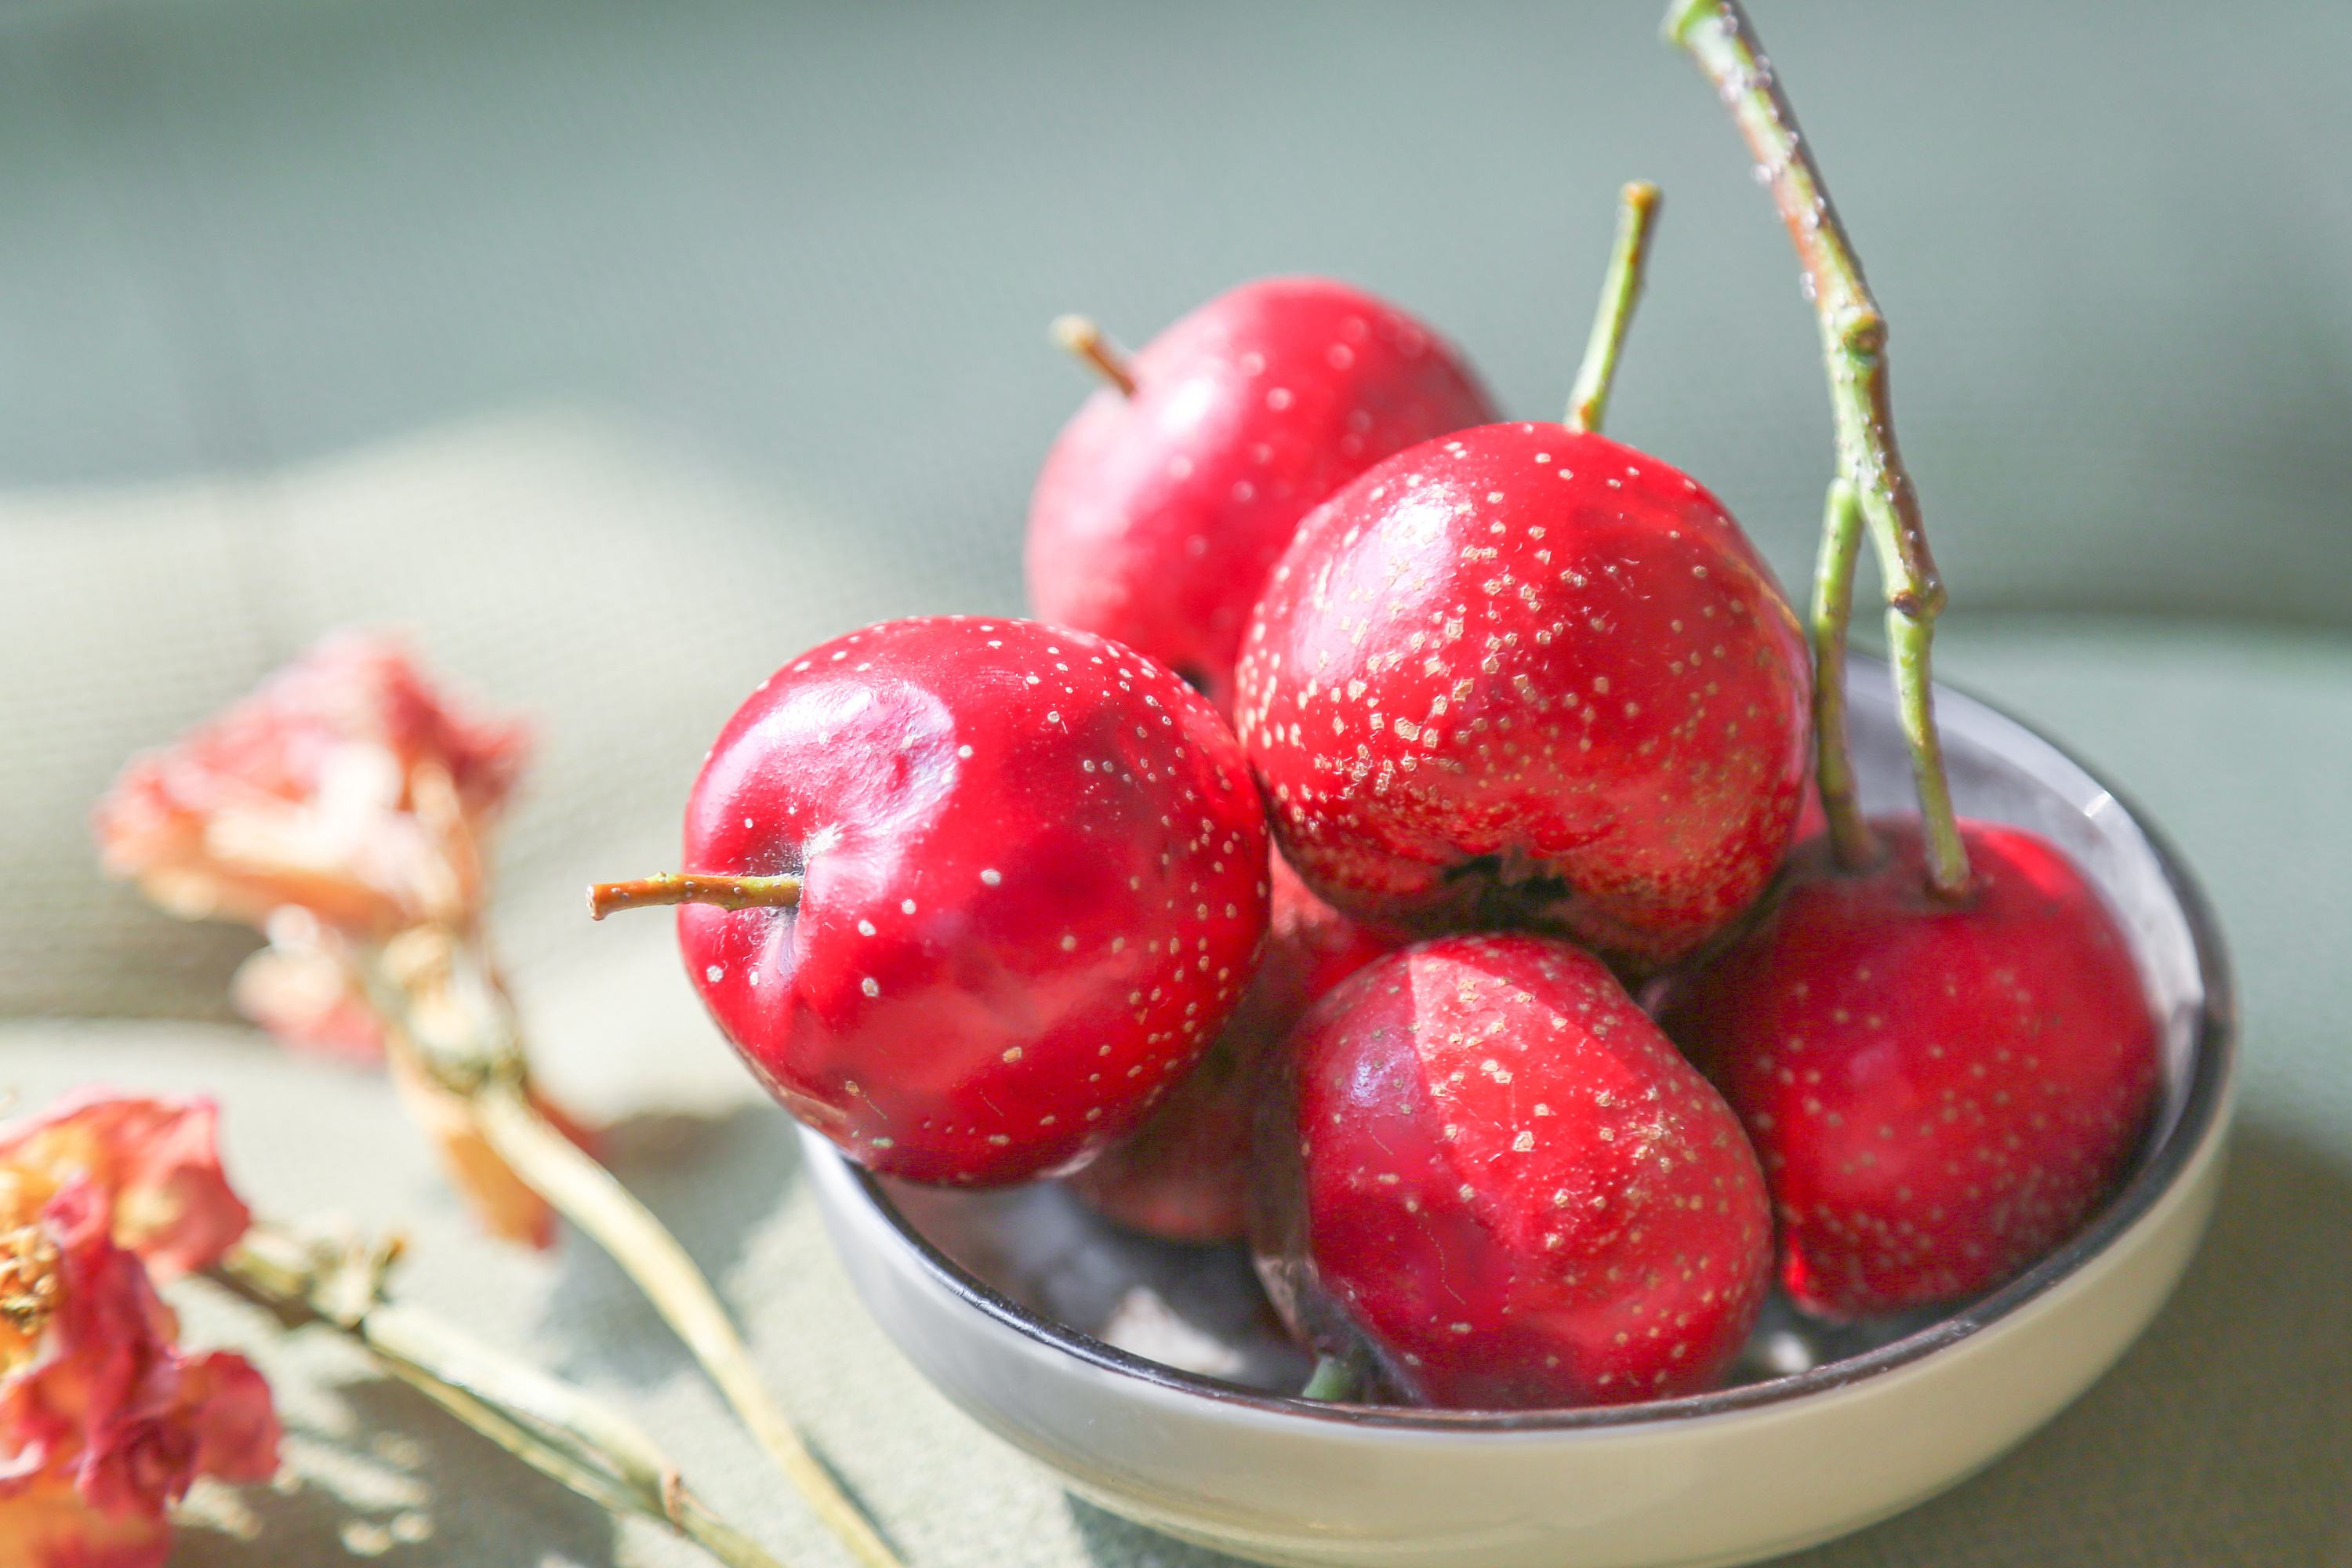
(2212, 1059)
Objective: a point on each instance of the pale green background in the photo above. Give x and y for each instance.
(622, 351)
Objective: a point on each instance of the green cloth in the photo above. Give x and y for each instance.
(621, 352)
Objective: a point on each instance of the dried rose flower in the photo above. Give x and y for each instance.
(104, 1420)
(156, 1164)
(344, 784)
(340, 807)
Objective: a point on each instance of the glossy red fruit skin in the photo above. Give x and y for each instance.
(1813, 819)
(1157, 517)
(1524, 676)
(1035, 887)
(1940, 1095)
(1183, 1175)
(1491, 1170)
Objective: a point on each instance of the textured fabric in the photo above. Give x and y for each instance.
(621, 352)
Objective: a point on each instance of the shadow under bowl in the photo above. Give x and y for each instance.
(1153, 1378)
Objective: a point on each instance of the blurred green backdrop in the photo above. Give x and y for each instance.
(623, 350)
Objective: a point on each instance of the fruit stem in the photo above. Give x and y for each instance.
(550, 1425)
(1850, 837)
(595, 1201)
(464, 1034)
(1334, 1378)
(1637, 215)
(1080, 336)
(1717, 34)
(691, 888)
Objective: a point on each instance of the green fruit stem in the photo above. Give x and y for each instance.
(1849, 836)
(1717, 34)
(1621, 288)
(1335, 1379)
(550, 1425)
(460, 1028)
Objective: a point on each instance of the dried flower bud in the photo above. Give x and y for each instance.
(304, 989)
(340, 807)
(345, 784)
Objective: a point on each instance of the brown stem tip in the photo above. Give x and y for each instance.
(1080, 336)
(688, 888)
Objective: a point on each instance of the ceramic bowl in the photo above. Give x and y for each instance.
(1150, 1378)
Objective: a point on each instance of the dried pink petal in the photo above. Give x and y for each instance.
(104, 1421)
(309, 999)
(154, 1163)
(48, 1526)
(208, 1414)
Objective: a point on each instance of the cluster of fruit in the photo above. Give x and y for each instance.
(1529, 723)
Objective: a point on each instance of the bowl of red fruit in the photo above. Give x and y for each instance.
(1153, 1377)
(1420, 1012)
